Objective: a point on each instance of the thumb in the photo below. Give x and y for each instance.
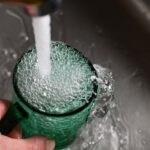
(33, 143)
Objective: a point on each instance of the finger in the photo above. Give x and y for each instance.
(4, 104)
(16, 132)
(34, 143)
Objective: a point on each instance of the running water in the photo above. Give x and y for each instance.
(42, 32)
(105, 129)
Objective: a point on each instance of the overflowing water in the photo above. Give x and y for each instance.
(41, 28)
(105, 128)
(69, 86)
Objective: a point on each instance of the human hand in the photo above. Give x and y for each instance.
(14, 142)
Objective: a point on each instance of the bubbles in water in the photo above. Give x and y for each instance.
(67, 88)
(45, 94)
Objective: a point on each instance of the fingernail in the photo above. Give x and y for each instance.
(50, 145)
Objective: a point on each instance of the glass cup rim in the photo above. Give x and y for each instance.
(21, 98)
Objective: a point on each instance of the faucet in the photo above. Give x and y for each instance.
(35, 7)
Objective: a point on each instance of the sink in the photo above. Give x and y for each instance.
(108, 35)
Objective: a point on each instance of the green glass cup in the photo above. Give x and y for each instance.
(56, 106)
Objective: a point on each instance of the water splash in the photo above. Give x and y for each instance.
(105, 129)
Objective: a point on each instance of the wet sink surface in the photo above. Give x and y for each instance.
(107, 35)
(110, 37)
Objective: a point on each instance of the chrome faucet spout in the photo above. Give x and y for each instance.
(36, 7)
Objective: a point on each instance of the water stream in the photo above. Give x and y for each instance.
(41, 28)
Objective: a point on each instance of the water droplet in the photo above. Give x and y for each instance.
(143, 142)
(118, 119)
(140, 131)
(94, 93)
(8, 73)
(26, 38)
(121, 141)
(34, 79)
(135, 73)
(14, 56)
(100, 137)
(84, 145)
(93, 78)
(5, 51)
(92, 143)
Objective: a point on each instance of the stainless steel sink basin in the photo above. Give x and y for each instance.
(107, 35)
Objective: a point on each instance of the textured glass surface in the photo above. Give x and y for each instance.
(63, 129)
(68, 87)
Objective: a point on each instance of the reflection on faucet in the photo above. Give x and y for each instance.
(35, 7)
